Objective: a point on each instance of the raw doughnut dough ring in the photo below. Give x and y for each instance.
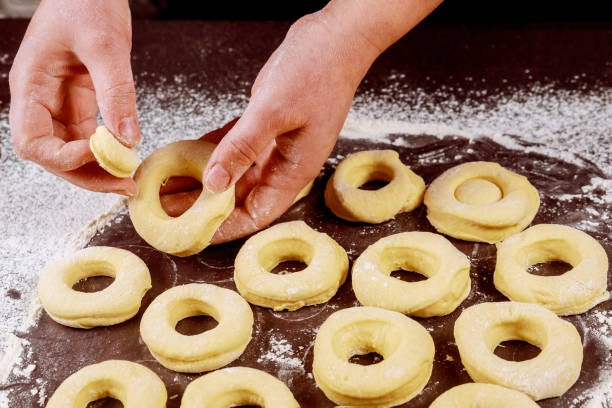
(482, 327)
(573, 292)
(407, 349)
(346, 200)
(480, 202)
(237, 386)
(477, 395)
(295, 240)
(432, 255)
(190, 232)
(114, 304)
(111, 155)
(133, 384)
(206, 351)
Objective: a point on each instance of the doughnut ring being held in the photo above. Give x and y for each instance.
(480, 202)
(432, 255)
(237, 386)
(133, 384)
(114, 304)
(406, 347)
(192, 231)
(111, 155)
(327, 267)
(403, 193)
(482, 327)
(208, 350)
(573, 292)
(477, 395)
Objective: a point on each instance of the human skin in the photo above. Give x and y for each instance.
(299, 100)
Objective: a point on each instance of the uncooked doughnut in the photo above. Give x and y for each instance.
(482, 327)
(573, 292)
(111, 155)
(133, 384)
(192, 231)
(481, 395)
(403, 193)
(480, 202)
(208, 350)
(237, 386)
(432, 255)
(327, 267)
(114, 304)
(407, 349)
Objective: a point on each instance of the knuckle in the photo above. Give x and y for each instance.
(242, 151)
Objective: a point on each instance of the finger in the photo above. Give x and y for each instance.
(92, 177)
(177, 203)
(216, 135)
(179, 184)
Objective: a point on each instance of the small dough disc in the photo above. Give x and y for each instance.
(114, 304)
(238, 386)
(482, 327)
(406, 347)
(133, 384)
(481, 395)
(327, 267)
(432, 255)
(403, 193)
(480, 202)
(111, 155)
(573, 292)
(192, 231)
(208, 350)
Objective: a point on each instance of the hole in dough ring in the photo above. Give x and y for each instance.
(327, 267)
(482, 327)
(573, 292)
(133, 384)
(238, 386)
(491, 221)
(190, 232)
(432, 255)
(114, 304)
(403, 193)
(406, 347)
(111, 155)
(476, 395)
(208, 350)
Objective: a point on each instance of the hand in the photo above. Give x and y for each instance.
(74, 59)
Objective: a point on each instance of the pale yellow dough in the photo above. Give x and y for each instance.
(114, 304)
(208, 350)
(192, 231)
(403, 193)
(238, 386)
(133, 384)
(481, 395)
(111, 155)
(432, 255)
(482, 327)
(481, 202)
(406, 347)
(573, 292)
(326, 260)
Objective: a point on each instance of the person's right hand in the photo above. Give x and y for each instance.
(74, 59)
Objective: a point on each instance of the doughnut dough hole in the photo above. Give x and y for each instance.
(403, 193)
(482, 327)
(111, 155)
(432, 255)
(192, 231)
(326, 260)
(573, 292)
(114, 304)
(133, 384)
(477, 395)
(238, 386)
(206, 351)
(406, 347)
(480, 202)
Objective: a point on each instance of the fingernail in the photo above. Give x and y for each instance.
(218, 179)
(128, 131)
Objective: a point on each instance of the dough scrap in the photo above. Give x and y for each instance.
(327, 267)
(111, 155)
(573, 292)
(477, 395)
(114, 304)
